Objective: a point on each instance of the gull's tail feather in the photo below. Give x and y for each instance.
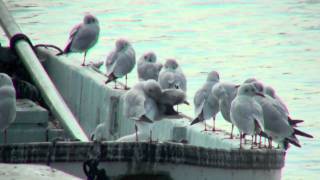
(145, 119)
(288, 140)
(111, 77)
(294, 122)
(300, 133)
(67, 49)
(196, 120)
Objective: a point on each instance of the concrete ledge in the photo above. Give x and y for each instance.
(30, 113)
(143, 152)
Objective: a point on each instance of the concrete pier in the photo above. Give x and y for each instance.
(202, 155)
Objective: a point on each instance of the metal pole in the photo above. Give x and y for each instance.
(49, 92)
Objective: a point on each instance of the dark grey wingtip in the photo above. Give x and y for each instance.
(287, 140)
(111, 77)
(294, 122)
(145, 119)
(300, 133)
(195, 121)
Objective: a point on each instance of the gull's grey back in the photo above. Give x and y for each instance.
(120, 63)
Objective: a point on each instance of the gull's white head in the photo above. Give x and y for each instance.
(152, 88)
(122, 44)
(213, 76)
(5, 80)
(171, 64)
(149, 57)
(90, 19)
(248, 90)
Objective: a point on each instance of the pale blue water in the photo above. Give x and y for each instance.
(274, 41)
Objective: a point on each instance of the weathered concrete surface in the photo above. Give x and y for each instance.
(30, 124)
(147, 158)
(34, 172)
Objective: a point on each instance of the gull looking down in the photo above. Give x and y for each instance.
(120, 61)
(148, 68)
(172, 77)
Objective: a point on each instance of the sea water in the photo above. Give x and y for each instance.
(277, 42)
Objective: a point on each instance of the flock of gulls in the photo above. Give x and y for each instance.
(254, 108)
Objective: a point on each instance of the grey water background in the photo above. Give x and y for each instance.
(278, 42)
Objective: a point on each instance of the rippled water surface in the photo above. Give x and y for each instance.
(277, 42)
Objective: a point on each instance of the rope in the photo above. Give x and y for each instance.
(17, 37)
(20, 36)
(50, 46)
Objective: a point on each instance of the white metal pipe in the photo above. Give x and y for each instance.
(48, 90)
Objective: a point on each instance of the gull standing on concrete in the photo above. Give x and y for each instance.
(278, 125)
(7, 102)
(120, 61)
(83, 36)
(225, 93)
(246, 113)
(148, 68)
(269, 91)
(206, 105)
(140, 105)
(172, 77)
